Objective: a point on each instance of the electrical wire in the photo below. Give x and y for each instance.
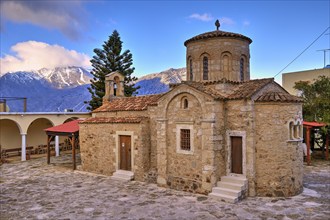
(303, 51)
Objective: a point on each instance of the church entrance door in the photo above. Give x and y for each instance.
(125, 152)
(236, 155)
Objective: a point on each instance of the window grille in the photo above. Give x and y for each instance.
(185, 139)
(205, 68)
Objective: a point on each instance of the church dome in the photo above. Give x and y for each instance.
(217, 34)
(215, 55)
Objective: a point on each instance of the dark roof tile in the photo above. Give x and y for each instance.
(278, 97)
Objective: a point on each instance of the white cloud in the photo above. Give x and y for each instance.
(66, 16)
(246, 23)
(227, 21)
(202, 17)
(33, 55)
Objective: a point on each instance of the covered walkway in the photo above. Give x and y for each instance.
(22, 130)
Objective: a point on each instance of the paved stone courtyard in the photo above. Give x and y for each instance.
(35, 190)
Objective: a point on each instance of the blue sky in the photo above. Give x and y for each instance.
(50, 33)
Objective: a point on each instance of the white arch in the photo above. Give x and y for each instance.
(17, 124)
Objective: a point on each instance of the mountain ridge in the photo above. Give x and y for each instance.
(54, 90)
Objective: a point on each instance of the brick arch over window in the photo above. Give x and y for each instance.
(205, 66)
(226, 64)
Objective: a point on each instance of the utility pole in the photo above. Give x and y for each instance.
(324, 54)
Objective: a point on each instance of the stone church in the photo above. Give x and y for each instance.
(218, 133)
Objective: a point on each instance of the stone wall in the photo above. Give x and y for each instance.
(98, 147)
(279, 162)
(239, 121)
(215, 49)
(184, 170)
(197, 171)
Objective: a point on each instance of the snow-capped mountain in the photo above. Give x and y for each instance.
(54, 90)
(159, 82)
(65, 77)
(47, 90)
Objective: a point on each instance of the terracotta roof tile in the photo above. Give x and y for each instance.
(216, 34)
(136, 103)
(112, 120)
(242, 89)
(278, 97)
(248, 88)
(68, 127)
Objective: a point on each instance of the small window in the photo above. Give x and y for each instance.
(191, 70)
(205, 68)
(185, 104)
(242, 69)
(115, 89)
(185, 139)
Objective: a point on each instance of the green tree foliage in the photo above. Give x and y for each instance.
(107, 60)
(316, 97)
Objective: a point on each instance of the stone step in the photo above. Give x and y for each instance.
(224, 197)
(234, 179)
(123, 175)
(123, 179)
(124, 172)
(233, 186)
(226, 191)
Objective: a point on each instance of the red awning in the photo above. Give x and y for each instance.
(66, 128)
(313, 124)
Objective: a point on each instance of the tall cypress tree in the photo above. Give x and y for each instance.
(106, 60)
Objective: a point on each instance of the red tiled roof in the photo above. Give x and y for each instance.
(278, 97)
(112, 120)
(136, 103)
(242, 89)
(200, 87)
(313, 124)
(217, 34)
(69, 127)
(248, 88)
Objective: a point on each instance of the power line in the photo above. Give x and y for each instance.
(303, 51)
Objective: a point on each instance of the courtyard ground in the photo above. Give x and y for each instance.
(35, 190)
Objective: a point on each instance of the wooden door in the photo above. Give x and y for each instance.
(236, 155)
(125, 152)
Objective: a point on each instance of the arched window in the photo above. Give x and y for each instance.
(242, 69)
(185, 103)
(115, 89)
(226, 63)
(205, 68)
(115, 85)
(191, 70)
